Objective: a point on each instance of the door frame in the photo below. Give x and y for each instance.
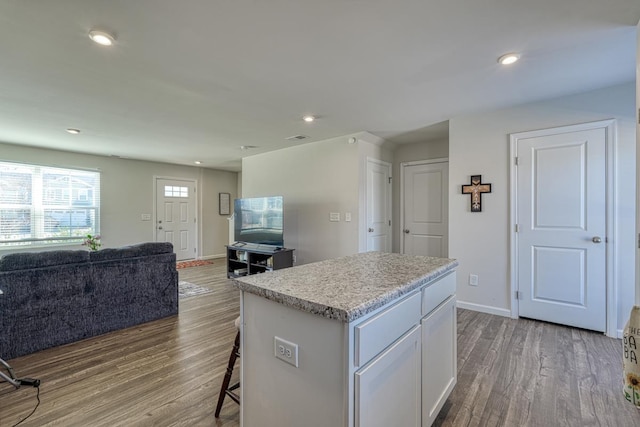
(611, 142)
(401, 222)
(154, 216)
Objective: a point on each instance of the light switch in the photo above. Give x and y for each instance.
(334, 216)
(347, 216)
(145, 217)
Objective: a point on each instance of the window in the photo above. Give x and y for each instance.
(173, 191)
(41, 205)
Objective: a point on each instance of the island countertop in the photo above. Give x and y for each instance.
(346, 288)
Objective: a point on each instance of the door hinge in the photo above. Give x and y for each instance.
(638, 241)
(389, 180)
(517, 228)
(518, 295)
(389, 223)
(515, 159)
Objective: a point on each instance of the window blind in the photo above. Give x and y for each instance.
(42, 205)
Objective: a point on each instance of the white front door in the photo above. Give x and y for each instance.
(425, 209)
(378, 206)
(561, 218)
(176, 215)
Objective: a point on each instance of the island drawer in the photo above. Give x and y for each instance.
(438, 291)
(377, 333)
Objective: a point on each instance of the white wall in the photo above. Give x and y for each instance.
(479, 144)
(127, 188)
(315, 179)
(436, 149)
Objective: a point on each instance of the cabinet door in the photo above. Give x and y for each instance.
(439, 364)
(388, 388)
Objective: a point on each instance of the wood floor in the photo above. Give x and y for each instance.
(168, 372)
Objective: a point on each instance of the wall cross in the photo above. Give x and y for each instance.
(475, 190)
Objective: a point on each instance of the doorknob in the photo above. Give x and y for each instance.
(160, 228)
(596, 239)
(370, 230)
(406, 230)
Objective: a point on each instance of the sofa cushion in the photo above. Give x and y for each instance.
(133, 251)
(28, 260)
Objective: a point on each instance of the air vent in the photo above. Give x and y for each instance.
(296, 137)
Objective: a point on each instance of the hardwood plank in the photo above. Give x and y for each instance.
(168, 372)
(530, 373)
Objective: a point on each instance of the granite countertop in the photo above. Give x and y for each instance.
(346, 288)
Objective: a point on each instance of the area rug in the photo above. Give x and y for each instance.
(193, 263)
(188, 289)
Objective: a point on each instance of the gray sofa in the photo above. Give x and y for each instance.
(57, 297)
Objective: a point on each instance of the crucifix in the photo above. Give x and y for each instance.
(475, 190)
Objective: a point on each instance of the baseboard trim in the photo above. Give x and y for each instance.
(484, 308)
(213, 256)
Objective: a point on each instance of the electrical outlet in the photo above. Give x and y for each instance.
(347, 216)
(473, 280)
(286, 351)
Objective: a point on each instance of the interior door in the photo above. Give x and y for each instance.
(425, 209)
(176, 215)
(561, 216)
(378, 206)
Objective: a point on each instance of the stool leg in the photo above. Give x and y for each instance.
(227, 375)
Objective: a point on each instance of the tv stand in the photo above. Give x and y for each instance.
(249, 258)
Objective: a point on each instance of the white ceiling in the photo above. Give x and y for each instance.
(196, 79)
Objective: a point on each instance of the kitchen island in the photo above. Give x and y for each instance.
(364, 340)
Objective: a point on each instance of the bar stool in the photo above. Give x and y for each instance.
(227, 390)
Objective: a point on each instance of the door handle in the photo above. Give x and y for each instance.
(370, 230)
(160, 228)
(406, 230)
(596, 239)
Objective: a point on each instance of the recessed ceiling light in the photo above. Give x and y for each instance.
(308, 118)
(509, 58)
(198, 162)
(101, 37)
(73, 131)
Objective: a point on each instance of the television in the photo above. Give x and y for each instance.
(259, 220)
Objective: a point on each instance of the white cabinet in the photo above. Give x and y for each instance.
(387, 389)
(394, 366)
(439, 364)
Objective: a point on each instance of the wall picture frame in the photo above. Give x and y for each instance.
(224, 203)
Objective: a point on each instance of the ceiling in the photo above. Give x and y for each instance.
(196, 79)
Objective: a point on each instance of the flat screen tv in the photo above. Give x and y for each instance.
(259, 220)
